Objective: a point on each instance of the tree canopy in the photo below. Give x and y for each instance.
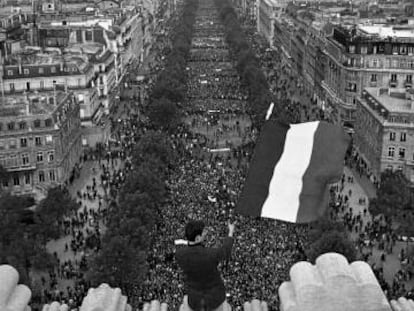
(395, 201)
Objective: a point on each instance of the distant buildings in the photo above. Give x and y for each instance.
(365, 56)
(384, 131)
(358, 68)
(40, 140)
(267, 12)
(61, 62)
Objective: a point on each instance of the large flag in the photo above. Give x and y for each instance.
(291, 170)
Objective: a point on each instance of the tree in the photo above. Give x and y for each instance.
(328, 236)
(18, 244)
(164, 114)
(154, 145)
(52, 209)
(118, 264)
(394, 201)
(332, 241)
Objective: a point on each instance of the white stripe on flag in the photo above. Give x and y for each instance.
(285, 187)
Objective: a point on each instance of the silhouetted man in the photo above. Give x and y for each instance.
(203, 284)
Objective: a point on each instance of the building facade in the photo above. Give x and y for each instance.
(368, 56)
(384, 131)
(44, 72)
(40, 140)
(267, 12)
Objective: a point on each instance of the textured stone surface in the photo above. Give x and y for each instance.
(55, 306)
(13, 297)
(332, 284)
(105, 298)
(402, 304)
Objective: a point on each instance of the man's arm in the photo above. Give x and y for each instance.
(224, 252)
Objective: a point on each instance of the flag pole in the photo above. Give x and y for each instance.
(269, 111)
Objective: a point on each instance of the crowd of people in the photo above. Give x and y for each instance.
(206, 186)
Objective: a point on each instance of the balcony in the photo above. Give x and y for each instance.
(408, 84)
(393, 83)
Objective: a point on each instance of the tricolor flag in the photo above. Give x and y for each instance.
(291, 169)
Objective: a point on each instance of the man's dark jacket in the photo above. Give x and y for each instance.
(201, 278)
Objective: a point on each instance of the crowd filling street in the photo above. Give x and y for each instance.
(219, 139)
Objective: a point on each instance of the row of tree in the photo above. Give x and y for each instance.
(25, 230)
(170, 88)
(247, 64)
(122, 260)
(325, 235)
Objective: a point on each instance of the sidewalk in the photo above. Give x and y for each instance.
(359, 190)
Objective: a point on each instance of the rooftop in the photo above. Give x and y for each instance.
(393, 100)
(34, 56)
(383, 31)
(20, 106)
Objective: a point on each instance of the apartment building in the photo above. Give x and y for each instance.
(267, 12)
(384, 130)
(40, 140)
(39, 71)
(365, 56)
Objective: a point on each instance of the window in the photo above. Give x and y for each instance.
(48, 122)
(1, 127)
(16, 180)
(373, 77)
(375, 63)
(352, 49)
(41, 70)
(52, 175)
(38, 141)
(27, 178)
(10, 126)
(22, 125)
(1, 145)
(5, 183)
(39, 156)
(12, 144)
(391, 151)
(401, 153)
(23, 142)
(25, 159)
(42, 84)
(51, 156)
(403, 137)
(13, 160)
(49, 139)
(53, 69)
(88, 35)
(36, 123)
(364, 49)
(392, 136)
(393, 77)
(9, 72)
(26, 71)
(409, 78)
(11, 86)
(41, 176)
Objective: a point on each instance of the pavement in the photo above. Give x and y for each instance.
(363, 188)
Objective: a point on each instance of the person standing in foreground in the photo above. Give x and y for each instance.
(202, 281)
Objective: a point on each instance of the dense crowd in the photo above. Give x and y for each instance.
(206, 186)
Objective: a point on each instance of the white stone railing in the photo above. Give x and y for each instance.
(332, 284)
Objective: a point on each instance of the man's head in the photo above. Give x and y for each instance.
(194, 231)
